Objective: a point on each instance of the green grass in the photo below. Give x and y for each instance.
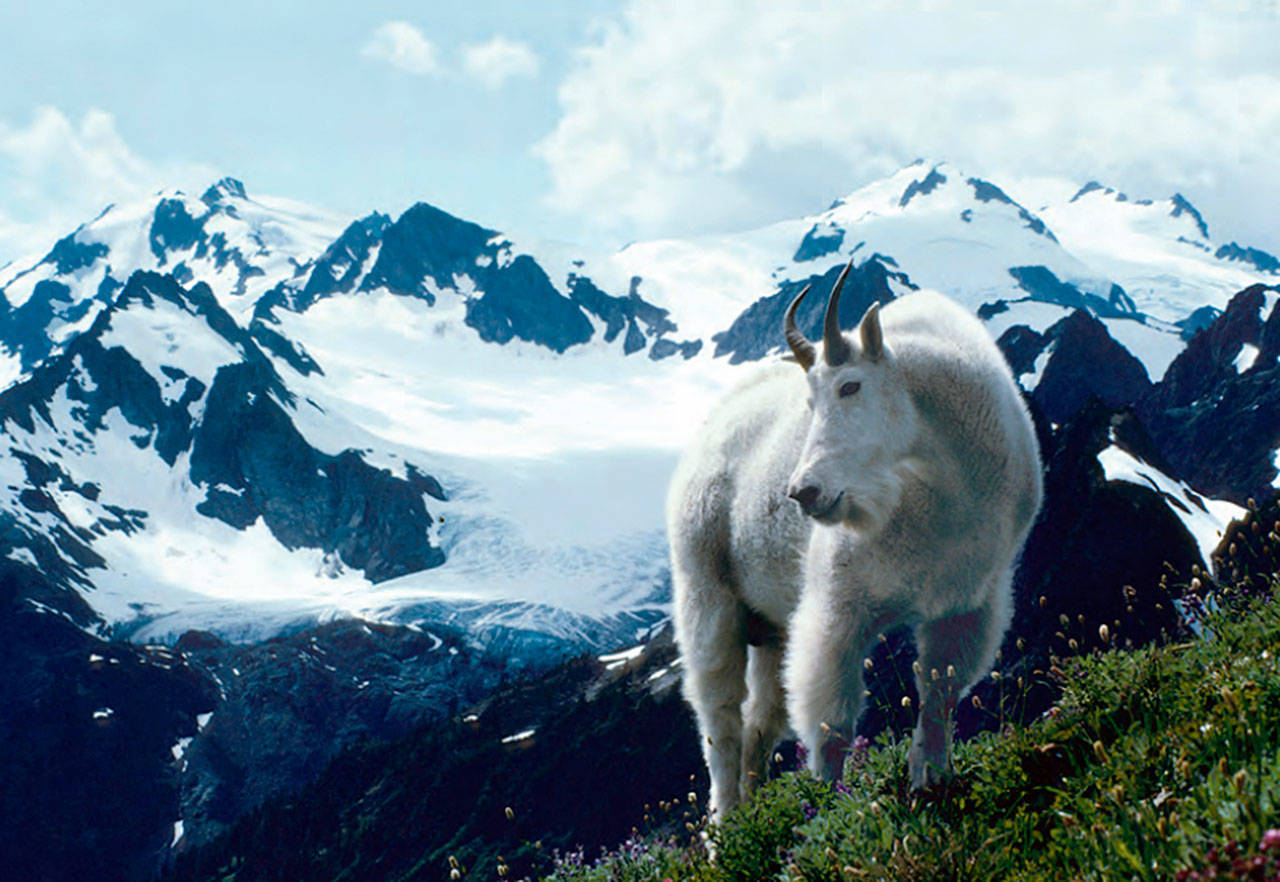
(1153, 761)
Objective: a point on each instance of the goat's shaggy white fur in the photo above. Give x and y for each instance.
(924, 479)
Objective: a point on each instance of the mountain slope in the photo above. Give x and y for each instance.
(132, 464)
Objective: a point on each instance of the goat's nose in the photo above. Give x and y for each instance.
(806, 496)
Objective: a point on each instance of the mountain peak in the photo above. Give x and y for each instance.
(1181, 205)
(226, 188)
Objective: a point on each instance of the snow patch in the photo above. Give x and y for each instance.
(1205, 519)
(1033, 379)
(23, 555)
(614, 660)
(1246, 357)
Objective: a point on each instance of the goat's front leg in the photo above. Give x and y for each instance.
(823, 678)
(955, 653)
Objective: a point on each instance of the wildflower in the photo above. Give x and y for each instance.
(1104, 633)
(509, 813)
(1270, 840)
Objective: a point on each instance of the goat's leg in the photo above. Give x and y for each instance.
(955, 653)
(712, 634)
(823, 678)
(764, 716)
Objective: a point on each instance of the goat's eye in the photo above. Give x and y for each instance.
(850, 388)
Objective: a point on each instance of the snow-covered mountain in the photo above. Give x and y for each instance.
(423, 420)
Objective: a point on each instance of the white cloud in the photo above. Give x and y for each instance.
(402, 46)
(56, 174)
(681, 118)
(498, 60)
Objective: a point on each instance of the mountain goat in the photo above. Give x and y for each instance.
(890, 482)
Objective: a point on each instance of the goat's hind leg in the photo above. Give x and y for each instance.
(710, 625)
(764, 716)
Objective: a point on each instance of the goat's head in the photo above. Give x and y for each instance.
(862, 420)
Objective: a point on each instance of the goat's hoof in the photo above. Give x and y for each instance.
(929, 777)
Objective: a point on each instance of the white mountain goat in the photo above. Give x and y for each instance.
(913, 477)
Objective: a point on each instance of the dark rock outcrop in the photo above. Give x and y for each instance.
(337, 271)
(289, 705)
(1217, 423)
(1044, 286)
(87, 729)
(922, 187)
(819, 242)
(1086, 362)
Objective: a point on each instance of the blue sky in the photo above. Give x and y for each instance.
(606, 120)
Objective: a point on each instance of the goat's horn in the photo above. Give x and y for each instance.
(801, 348)
(836, 348)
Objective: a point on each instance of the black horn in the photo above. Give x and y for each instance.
(801, 348)
(836, 348)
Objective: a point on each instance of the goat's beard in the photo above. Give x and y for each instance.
(868, 503)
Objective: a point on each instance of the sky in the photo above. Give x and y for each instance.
(606, 121)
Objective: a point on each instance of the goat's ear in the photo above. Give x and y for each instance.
(872, 336)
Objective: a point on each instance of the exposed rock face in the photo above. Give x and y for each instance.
(1045, 287)
(1084, 362)
(821, 240)
(257, 464)
(90, 787)
(1216, 415)
(339, 269)
(289, 705)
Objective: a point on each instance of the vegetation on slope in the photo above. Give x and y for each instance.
(1161, 762)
